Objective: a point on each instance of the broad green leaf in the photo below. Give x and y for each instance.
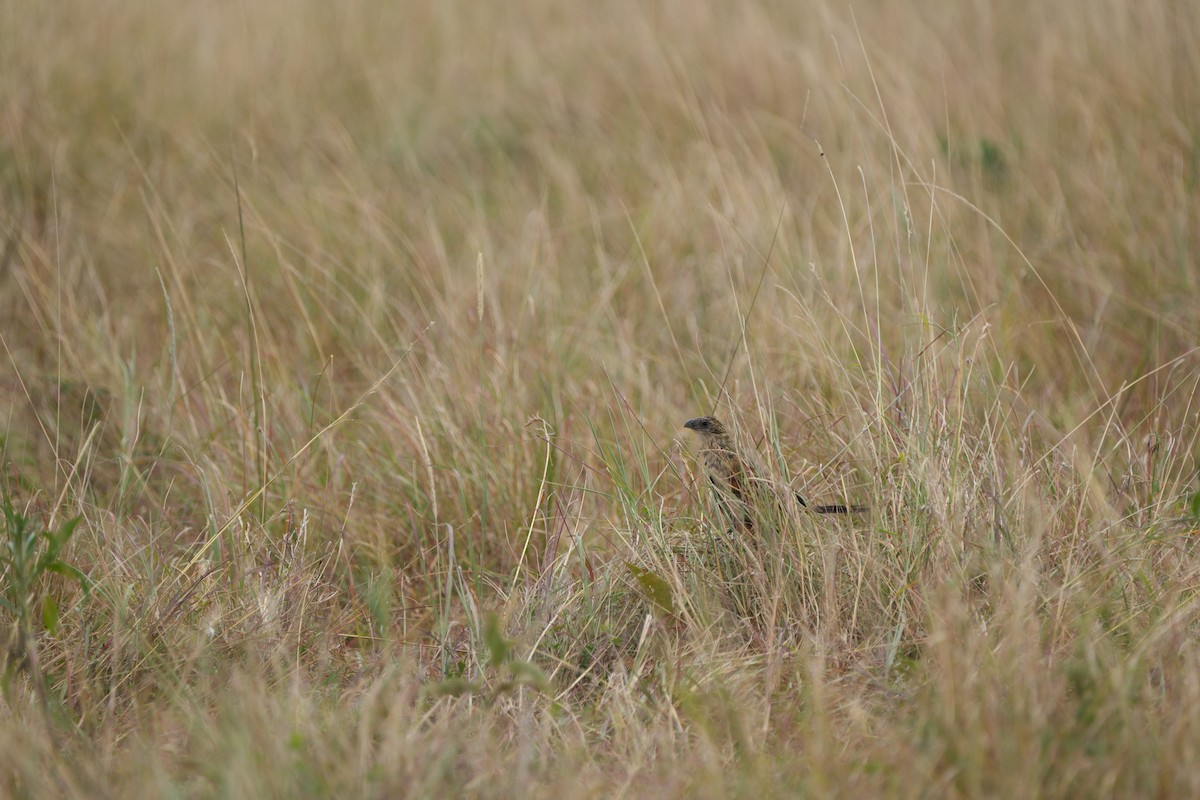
(529, 674)
(498, 647)
(654, 586)
(454, 687)
(72, 572)
(50, 615)
(56, 539)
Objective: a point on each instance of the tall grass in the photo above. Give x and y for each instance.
(359, 337)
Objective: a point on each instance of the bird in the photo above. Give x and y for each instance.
(740, 490)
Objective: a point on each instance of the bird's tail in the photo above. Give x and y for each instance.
(837, 508)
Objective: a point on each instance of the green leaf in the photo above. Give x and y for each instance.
(529, 674)
(654, 586)
(498, 647)
(72, 572)
(50, 615)
(453, 687)
(60, 537)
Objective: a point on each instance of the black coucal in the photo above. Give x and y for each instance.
(739, 489)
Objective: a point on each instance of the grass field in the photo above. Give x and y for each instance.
(347, 347)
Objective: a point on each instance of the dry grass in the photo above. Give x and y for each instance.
(359, 336)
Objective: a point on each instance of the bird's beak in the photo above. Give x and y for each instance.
(692, 424)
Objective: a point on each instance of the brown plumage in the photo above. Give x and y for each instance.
(739, 489)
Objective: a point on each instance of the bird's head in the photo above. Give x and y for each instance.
(710, 426)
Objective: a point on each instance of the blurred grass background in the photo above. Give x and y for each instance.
(345, 326)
